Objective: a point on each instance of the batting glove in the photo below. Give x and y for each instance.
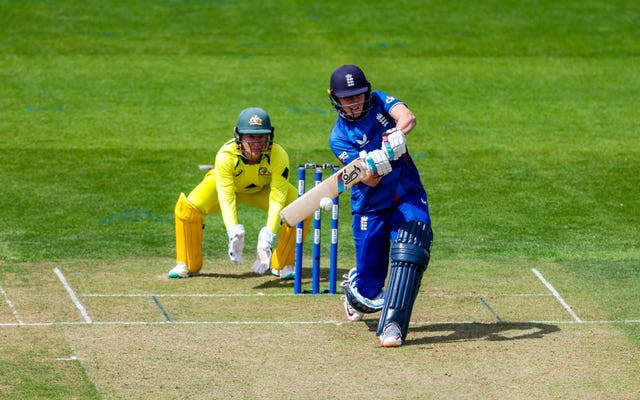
(378, 162)
(236, 243)
(263, 257)
(394, 143)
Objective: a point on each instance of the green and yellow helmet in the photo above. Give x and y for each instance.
(254, 121)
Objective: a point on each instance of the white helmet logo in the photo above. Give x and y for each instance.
(349, 79)
(255, 120)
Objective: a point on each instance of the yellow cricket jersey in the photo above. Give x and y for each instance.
(266, 183)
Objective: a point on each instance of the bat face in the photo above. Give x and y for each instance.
(331, 187)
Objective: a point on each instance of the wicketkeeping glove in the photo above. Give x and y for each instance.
(263, 258)
(236, 243)
(378, 162)
(394, 143)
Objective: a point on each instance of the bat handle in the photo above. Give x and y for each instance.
(315, 166)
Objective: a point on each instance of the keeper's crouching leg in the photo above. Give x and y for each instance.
(189, 227)
(409, 259)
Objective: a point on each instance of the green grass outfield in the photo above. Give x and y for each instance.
(528, 142)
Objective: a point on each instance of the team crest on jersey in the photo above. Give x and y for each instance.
(263, 171)
(382, 119)
(255, 120)
(364, 220)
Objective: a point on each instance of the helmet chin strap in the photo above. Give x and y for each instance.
(366, 106)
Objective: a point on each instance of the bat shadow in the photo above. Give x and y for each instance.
(463, 331)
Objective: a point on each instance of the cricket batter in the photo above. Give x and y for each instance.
(249, 169)
(389, 207)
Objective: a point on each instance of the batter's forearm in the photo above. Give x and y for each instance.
(406, 123)
(405, 120)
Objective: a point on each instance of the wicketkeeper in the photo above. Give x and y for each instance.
(249, 169)
(389, 207)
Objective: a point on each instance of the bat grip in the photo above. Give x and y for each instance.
(315, 166)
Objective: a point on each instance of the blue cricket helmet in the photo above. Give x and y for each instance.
(347, 81)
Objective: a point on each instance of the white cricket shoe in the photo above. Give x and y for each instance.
(391, 335)
(179, 271)
(353, 315)
(287, 273)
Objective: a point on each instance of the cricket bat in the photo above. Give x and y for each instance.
(331, 187)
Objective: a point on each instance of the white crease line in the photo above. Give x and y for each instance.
(11, 306)
(73, 296)
(186, 295)
(556, 295)
(260, 294)
(107, 323)
(70, 358)
(328, 322)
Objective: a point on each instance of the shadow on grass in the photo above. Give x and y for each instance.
(459, 332)
(306, 281)
(245, 275)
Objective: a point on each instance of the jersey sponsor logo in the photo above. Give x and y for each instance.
(382, 119)
(364, 140)
(389, 99)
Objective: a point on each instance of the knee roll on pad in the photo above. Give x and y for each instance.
(413, 243)
(409, 259)
(189, 226)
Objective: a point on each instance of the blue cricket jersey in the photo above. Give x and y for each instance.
(349, 138)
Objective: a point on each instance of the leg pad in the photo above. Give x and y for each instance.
(409, 259)
(285, 252)
(189, 226)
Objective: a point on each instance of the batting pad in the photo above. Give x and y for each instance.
(409, 259)
(189, 226)
(285, 252)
